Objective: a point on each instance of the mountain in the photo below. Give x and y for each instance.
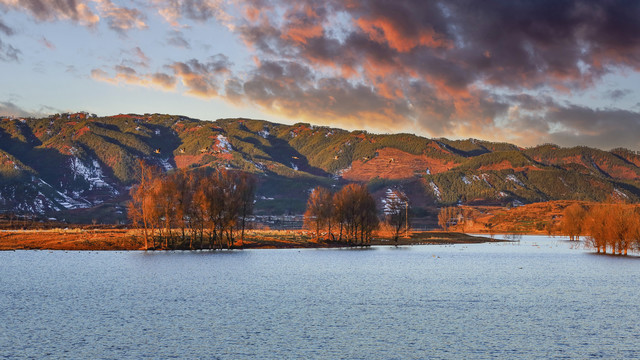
(80, 167)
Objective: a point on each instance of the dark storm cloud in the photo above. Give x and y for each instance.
(603, 128)
(447, 68)
(439, 65)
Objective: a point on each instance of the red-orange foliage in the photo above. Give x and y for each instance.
(613, 226)
(352, 208)
(572, 222)
(319, 210)
(205, 206)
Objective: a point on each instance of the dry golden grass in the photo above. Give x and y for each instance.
(115, 239)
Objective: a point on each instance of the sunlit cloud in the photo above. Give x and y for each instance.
(48, 10)
(121, 19)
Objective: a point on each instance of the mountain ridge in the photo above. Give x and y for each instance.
(78, 165)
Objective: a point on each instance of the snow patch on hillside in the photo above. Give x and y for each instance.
(166, 165)
(223, 144)
(514, 179)
(260, 166)
(92, 173)
(392, 203)
(484, 177)
(466, 180)
(63, 199)
(563, 182)
(264, 133)
(339, 173)
(436, 190)
(620, 193)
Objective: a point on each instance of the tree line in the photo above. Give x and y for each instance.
(201, 208)
(605, 227)
(351, 213)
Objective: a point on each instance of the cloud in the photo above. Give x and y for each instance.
(5, 29)
(199, 10)
(202, 79)
(617, 94)
(441, 67)
(8, 108)
(140, 58)
(455, 68)
(603, 128)
(9, 53)
(48, 10)
(177, 39)
(199, 78)
(127, 75)
(531, 120)
(121, 19)
(164, 81)
(134, 58)
(123, 74)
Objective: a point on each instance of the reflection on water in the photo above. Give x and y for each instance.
(537, 298)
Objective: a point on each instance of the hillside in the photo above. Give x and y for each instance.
(79, 167)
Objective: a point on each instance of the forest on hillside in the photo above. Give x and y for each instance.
(78, 167)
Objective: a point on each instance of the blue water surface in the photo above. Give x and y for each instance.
(537, 298)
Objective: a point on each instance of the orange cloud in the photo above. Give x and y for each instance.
(127, 75)
(121, 18)
(302, 33)
(383, 30)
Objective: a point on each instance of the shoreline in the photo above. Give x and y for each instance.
(129, 240)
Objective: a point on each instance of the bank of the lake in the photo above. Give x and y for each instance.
(122, 239)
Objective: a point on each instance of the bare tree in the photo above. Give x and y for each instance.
(355, 210)
(447, 217)
(396, 211)
(247, 189)
(141, 207)
(203, 204)
(318, 211)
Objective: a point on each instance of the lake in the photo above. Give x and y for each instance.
(539, 298)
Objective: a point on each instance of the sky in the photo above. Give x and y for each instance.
(523, 72)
